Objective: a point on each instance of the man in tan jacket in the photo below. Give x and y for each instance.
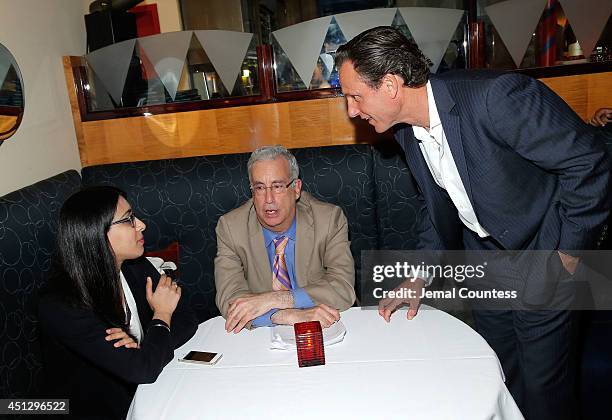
(283, 256)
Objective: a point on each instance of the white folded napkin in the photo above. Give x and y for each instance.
(161, 265)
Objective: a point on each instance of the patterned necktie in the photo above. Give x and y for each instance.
(280, 276)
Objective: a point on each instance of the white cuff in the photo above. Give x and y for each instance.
(423, 275)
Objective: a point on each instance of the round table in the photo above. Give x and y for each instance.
(432, 367)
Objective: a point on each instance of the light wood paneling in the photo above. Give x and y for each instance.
(600, 93)
(74, 108)
(320, 122)
(295, 124)
(7, 122)
(585, 93)
(213, 14)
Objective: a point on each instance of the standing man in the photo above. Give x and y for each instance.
(283, 256)
(502, 163)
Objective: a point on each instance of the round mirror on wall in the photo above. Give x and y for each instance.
(11, 94)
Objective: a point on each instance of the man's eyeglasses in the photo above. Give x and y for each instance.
(131, 219)
(277, 188)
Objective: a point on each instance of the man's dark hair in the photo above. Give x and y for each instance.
(385, 50)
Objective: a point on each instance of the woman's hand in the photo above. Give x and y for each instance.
(123, 338)
(164, 299)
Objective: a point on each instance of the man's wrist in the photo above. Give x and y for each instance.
(286, 316)
(423, 275)
(420, 279)
(282, 299)
(280, 317)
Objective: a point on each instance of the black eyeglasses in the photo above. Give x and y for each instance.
(276, 188)
(131, 219)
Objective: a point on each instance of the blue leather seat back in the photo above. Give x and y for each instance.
(396, 197)
(28, 226)
(181, 200)
(343, 175)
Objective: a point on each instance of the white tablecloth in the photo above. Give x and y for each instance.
(432, 367)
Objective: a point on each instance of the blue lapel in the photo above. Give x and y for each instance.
(452, 130)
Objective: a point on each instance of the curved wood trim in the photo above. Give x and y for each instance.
(11, 111)
(172, 108)
(302, 95)
(566, 70)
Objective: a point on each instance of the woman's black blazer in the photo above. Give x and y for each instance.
(81, 365)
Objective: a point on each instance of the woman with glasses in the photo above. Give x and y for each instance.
(109, 320)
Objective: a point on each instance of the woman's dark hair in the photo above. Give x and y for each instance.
(385, 50)
(85, 271)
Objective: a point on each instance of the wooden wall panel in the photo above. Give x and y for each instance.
(585, 93)
(600, 92)
(74, 106)
(7, 122)
(320, 122)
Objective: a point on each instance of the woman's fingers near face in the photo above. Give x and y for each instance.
(164, 281)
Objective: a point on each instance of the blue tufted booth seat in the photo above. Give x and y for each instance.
(28, 225)
(181, 200)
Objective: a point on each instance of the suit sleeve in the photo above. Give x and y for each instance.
(336, 286)
(230, 279)
(543, 129)
(184, 322)
(83, 333)
(428, 238)
(427, 235)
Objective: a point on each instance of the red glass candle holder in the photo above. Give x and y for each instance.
(309, 343)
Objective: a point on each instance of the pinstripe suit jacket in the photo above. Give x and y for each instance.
(537, 176)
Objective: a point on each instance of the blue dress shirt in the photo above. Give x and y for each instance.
(301, 300)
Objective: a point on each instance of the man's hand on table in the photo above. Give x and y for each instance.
(326, 315)
(387, 306)
(601, 117)
(249, 306)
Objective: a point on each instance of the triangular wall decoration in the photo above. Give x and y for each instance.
(111, 65)
(4, 68)
(353, 23)
(100, 98)
(588, 19)
(167, 53)
(226, 51)
(432, 29)
(400, 24)
(6, 60)
(302, 44)
(516, 21)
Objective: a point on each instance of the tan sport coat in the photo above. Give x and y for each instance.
(324, 265)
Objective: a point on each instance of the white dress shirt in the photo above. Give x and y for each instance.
(439, 158)
(135, 328)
